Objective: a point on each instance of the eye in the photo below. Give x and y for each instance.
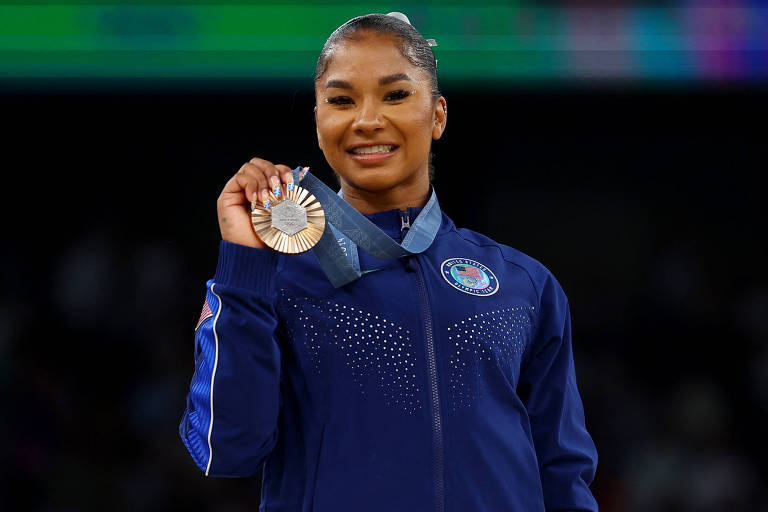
(339, 100)
(396, 95)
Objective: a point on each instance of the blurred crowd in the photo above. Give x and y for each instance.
(656, 232)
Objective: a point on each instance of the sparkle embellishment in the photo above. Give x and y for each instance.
(486, 348)
(371, 353)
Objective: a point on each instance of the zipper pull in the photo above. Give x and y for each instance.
(405, 220)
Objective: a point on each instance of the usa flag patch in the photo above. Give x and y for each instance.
(469, 276)
(207, 313)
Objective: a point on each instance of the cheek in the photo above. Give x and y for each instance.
(416, 125)
(327, 131)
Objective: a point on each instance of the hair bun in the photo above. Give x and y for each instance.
(399, 16)
(403, 17)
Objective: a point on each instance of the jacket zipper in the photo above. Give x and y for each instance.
(437, 424)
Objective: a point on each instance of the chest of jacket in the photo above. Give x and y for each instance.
(459, 311)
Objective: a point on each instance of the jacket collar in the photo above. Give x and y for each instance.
(391, 221)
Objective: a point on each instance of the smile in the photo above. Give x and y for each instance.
(372, 154)
(370, 150)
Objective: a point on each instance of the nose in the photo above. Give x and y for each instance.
(368, 120)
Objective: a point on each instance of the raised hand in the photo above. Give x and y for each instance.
(253, 182)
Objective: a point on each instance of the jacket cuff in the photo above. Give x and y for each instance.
(246, 267)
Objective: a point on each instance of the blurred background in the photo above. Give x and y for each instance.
(626, 139)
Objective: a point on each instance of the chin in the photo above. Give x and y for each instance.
(372, 179)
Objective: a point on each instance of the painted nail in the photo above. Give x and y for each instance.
(303, 172)
(253, 200)
(265, 198)
(275, 182)
(288, 181)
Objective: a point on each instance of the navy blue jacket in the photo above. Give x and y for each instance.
(440, 382)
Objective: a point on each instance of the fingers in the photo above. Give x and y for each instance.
(251, 180)
(268, 179)
(258, 178)
(286, 175)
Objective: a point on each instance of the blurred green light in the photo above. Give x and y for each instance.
(490, 41)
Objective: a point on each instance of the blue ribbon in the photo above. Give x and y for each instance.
(346, 228)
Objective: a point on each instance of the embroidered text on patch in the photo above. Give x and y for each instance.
(469, 276)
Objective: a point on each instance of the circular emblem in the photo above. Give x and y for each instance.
(469, 276)
(293, 224)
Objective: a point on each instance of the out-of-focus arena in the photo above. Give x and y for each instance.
(620, 144)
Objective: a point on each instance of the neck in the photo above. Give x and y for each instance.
(401, 197)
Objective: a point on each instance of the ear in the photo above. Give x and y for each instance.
(440, 118)
(319, 138)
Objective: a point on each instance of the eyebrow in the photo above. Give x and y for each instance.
(343, 84)
(338, 84)
(394, 78)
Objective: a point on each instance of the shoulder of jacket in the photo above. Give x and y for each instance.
(538, 274)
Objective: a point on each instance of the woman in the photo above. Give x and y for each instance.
(439, 381)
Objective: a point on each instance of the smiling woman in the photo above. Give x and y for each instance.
(376, 119)
(430, 370)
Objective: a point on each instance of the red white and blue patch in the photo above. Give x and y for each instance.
(207, 313)
(469, 276)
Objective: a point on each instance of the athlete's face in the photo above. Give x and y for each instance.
(376, 117)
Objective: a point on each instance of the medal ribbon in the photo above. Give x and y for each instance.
(347, 227)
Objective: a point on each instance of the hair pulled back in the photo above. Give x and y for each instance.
(410, 42)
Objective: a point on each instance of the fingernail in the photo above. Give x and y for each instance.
(288, 181)
(275, 182)
(254, 198)
(265, 198)
(303, 172)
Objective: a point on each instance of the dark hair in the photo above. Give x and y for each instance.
(412, 45)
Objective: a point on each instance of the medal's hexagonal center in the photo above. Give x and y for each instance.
(289, 217)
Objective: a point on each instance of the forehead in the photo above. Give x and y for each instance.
(369, 55)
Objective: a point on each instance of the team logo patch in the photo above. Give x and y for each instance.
(469, 276)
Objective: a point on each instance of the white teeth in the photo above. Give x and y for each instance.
(369, 150)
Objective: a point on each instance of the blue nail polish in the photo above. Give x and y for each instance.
(277, 192)
(266, 205)
(289, 187)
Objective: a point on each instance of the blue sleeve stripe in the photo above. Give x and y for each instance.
(213, 377)
(196, 421)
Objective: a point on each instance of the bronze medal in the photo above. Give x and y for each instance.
(292, 224)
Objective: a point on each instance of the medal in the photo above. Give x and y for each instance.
(293, 224)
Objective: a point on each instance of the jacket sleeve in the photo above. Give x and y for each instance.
(230, 422)
(565, 451)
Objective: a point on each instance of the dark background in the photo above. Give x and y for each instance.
(646, 203)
